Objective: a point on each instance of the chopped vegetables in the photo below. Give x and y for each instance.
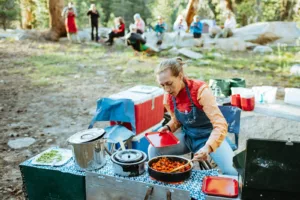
(49, 157)
(166, 165)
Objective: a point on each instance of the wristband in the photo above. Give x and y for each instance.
(168, 127)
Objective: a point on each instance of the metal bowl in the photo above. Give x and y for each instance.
(169, 177)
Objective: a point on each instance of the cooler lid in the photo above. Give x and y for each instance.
(129, 156)
(139, 94)
(86, 136)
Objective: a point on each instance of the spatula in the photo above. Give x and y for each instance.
(182, 166)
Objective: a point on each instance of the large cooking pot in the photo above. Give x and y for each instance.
(89, 148)
(129, 162)
(169, 177)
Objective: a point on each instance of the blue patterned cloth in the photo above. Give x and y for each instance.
(193, 184)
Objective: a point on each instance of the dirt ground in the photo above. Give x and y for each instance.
(52, 112)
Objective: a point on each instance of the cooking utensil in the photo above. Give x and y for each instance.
(220, 186)
(89, 148)
(169, 177)
(129, 162)
(162, 139)
(182, 166)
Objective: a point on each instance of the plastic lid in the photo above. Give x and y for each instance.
(129, 156)
(86, 136)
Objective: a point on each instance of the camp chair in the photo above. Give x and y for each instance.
(232, 115)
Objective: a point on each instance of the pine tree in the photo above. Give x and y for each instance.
(8, 13)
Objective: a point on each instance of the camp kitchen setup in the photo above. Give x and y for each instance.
(111, 163)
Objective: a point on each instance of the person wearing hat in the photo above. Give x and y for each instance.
(160, 29)
(196, 119)
(94, 14)
(139, 22)
(196, 27)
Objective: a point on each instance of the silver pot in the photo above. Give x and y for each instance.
(129, 162)
(88, 148)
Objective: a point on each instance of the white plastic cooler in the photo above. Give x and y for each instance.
(148, 106)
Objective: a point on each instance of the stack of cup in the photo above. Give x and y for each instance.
(243, 98)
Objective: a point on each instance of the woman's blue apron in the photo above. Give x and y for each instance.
(195, 124)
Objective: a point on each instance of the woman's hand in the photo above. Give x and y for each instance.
(203, 153)
(162, 129)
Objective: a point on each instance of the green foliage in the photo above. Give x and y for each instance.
(8, 13)
(42, 14)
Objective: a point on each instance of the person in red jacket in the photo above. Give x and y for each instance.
(120, 32)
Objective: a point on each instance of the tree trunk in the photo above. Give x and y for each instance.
(229, 5)
(57, 25)
(192, 9)
(258, 11)
(27, 16)
(286, 9)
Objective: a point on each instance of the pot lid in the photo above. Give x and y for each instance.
(86, 136)
(128, 156)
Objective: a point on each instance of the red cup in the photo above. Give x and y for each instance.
(236, 100)
(247, 103)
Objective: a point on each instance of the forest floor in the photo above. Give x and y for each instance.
(48, 91)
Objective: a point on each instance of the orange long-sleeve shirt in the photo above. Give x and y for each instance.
(209, 105)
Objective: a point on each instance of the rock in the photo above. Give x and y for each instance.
(250, 45)
(49, 140)
(77, 76)
(295, 70)
(190, 54)
(262, 49)
(81, 65)
(231, 44)
(217, 55)
(286, 31)
(83, 35)
(128, 71)
(101, 73)
(26, 135)
(174, 51)
(119, 68)
(132, 62)
(20, 142)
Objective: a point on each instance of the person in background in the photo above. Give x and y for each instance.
(137, 42)
(119, 32)
(229, 26)
(160, 28)
(196, 27)
(179, 27)
(94, 14)
(139, 23)
(196, 119)
(69, 13)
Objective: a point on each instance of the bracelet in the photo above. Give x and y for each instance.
(168, 127)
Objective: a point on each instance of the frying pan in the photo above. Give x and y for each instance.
(169, 177)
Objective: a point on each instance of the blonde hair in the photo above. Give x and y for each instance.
(174, 64)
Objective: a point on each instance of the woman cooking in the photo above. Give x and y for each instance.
(193, 108)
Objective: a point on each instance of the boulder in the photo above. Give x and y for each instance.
(262, 49)
(295, 70)
(21, 142)
(231, 44)
(190, 54)
(263, 32)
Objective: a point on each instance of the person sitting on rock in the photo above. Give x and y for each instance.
(115, 33)
(179, 27)
(229, 26)
(137, 42)
(139, 22)
(196, 27)
(160, 28)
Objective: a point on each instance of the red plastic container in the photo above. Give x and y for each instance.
(247, 102)
(162, 139)
(148, 106)
(236, 100)
(220, 186)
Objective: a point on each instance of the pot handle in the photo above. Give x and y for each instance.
(169, 195)
(107, 151)
(148, 193)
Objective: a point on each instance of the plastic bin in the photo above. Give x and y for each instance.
(265, 94)
(292, 96)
